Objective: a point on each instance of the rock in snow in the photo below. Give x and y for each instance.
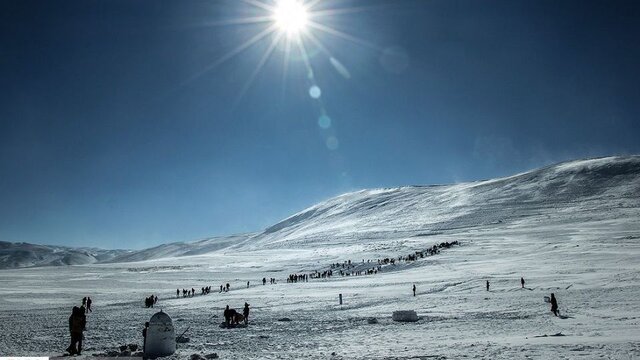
(405, 316)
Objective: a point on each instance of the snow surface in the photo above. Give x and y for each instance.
(572, 229)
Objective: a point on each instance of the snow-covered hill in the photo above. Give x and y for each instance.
(178, 249)
(583, 188)
(575, 191)
(17, 255)
(571, 229)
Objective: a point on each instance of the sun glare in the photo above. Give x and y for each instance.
(290, 16)
(297, 28)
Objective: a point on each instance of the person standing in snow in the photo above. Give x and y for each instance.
(487, 285)
(245, 312)
(84, 301)
(177, 293)
(414, 289)
(88, 304)
(554, 305)
(77, 323)
(522, 282)
(226, 315)
(144, 337)
(247, 284)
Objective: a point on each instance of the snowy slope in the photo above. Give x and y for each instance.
(572, 229)
(572, 187)
(181, 249)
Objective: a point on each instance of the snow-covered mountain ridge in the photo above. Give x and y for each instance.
(580, 188)
(17, 255)
(576, 190)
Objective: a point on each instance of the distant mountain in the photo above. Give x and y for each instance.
(17, 255)
(574, 191)
(181, 249)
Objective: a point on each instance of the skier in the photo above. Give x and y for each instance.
(414, 289)
(88, 305)
(554, 305)
(77, 323)
(245, 312)
(522, 282)
(487, 285)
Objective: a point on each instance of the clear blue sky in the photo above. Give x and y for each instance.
(113, 135)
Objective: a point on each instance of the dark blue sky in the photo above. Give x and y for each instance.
(108, 138)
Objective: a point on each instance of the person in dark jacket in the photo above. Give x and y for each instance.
(487, 285)
(88, 304)
(554, 305)
(414, 289)
(144, 337)
(245, 312)
(522, 282)
(227, 315)
(77, 323)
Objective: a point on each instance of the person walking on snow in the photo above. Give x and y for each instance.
(77, 323)
(414, 289)
(88, 304)
(487, 285)
(554, 305)
(245, 312)
(522, 282)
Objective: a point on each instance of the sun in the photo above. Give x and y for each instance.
(290, 16)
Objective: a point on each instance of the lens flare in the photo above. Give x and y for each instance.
(290, 16)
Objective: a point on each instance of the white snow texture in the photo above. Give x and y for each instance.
(571, 229)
